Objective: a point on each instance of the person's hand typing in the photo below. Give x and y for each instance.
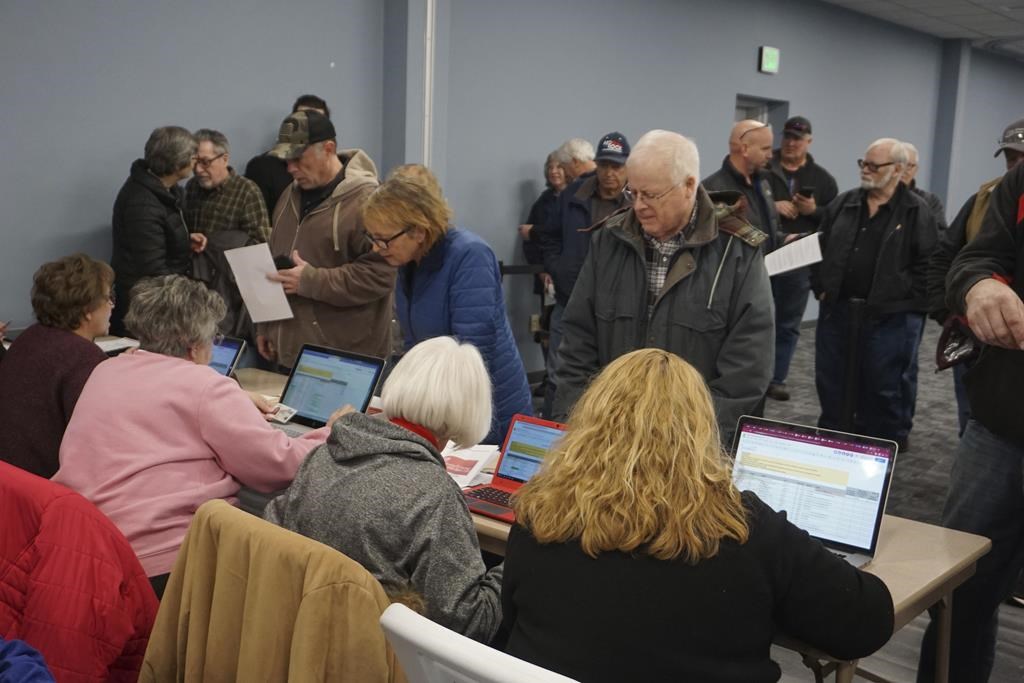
(262, 404)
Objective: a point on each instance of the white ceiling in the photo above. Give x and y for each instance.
(995, 25)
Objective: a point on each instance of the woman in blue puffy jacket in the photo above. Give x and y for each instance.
(448, 283)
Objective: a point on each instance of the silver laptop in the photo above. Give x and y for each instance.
(833, 485)
(227, 351)
(324, 379)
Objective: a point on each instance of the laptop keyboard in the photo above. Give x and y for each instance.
(492, 495)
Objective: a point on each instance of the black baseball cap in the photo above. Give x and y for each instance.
(797, 127)
(613, 147)
(299, 131)
(1013, 138)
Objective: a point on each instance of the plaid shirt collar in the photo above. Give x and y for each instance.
(659, 256)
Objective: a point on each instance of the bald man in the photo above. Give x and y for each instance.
(744, 170)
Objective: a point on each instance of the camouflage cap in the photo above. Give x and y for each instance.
(299, 131)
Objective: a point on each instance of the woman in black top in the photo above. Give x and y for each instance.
(637, 559)
(150, 234)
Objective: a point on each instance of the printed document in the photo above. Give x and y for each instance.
(796, 254)
(265, 300)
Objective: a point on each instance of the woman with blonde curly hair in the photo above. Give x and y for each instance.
(635, 558)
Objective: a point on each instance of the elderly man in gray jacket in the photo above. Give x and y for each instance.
(678, 272)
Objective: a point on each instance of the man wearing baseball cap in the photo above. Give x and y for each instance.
(588, 200)
(802, 190)
(340, 290)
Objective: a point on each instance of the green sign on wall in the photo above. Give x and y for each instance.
(768, 59)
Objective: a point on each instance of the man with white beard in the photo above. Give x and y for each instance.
(876, 241)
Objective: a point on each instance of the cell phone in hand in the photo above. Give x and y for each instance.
(806, 191)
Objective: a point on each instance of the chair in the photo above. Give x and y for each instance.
(250, 601)
(430, 653)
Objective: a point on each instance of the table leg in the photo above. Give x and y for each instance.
(943, 610)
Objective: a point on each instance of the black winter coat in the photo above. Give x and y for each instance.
(150, 236)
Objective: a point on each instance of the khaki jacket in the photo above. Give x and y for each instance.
(249, 601)
(345, 295)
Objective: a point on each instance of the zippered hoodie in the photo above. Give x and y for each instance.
(344, 297)
(379, 493)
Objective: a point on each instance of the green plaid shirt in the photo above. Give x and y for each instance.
(234, 205)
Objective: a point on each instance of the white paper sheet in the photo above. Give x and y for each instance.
(265, 300)
(112, 344)
(802, 252)
(465, 464)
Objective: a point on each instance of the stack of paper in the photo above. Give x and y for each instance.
(465, 464)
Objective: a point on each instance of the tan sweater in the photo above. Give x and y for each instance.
(249, 601)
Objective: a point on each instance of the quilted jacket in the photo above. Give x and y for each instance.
(70, 585)
(456, 290)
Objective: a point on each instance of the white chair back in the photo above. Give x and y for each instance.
(430, 653)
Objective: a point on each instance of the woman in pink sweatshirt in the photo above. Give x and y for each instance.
(156, 433)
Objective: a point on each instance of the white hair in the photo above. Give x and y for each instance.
(442, 385)
(911, 151)
(574, 149)
(897, 151)
(679, 151)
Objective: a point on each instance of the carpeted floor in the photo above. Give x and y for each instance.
(918, 491)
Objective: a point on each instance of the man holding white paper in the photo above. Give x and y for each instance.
(876, 241)
(339, 289)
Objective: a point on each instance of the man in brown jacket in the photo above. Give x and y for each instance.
(340, 290)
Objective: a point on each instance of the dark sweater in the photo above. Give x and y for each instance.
(627, 617)
(41, 377)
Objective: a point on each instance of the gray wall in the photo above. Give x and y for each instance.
(993, 101)
(85, 81)
(525, 75)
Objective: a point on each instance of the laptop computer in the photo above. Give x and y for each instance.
(831, 484)
(527, 441)
(226, 354)
(324, 379)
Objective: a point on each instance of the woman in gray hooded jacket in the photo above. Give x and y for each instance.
(378, 490)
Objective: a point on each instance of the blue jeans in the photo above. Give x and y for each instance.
(790, 292)
(986, 497)
(888, 345)
(963, 405)
(554, 341)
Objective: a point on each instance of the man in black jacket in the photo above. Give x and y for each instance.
(986, 284)
(802, 190)
(876, 241)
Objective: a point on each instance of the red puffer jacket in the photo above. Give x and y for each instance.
(70, 584)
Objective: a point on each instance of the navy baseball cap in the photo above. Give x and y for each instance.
(613, 147)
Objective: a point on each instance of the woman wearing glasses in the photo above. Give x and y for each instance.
(635, 558)
(156, 433)
(448, 284)
(46, 367)
(150, 234)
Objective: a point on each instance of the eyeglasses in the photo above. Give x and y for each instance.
(206, 163)
(873, 167)
(648, 198)
(384, 243)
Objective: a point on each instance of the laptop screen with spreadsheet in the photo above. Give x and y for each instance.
(831, 484)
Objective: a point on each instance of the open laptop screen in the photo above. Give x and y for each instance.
(832, 485)
(225, 355)
(525, 448)
(324, 379)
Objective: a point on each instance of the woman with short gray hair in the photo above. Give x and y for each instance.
(150, 235)
(156, 433)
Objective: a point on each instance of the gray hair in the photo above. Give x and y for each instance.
(442, 385)
(215, 138)
(574, 149)
(678, 151)
(170, 314)
(169, 149)
(897, 152)
(911, 151)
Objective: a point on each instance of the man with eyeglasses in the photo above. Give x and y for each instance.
(589, 199)
(674, 271)
(876, 241)
(340, 291)
(216, 198)
(802, 190)
(978, 268)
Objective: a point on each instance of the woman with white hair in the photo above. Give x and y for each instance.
(378, 490)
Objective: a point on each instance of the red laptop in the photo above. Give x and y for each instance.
(527, 442)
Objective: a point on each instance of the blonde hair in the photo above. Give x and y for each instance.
(410, 197)
(442, 385)
(640, 467)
